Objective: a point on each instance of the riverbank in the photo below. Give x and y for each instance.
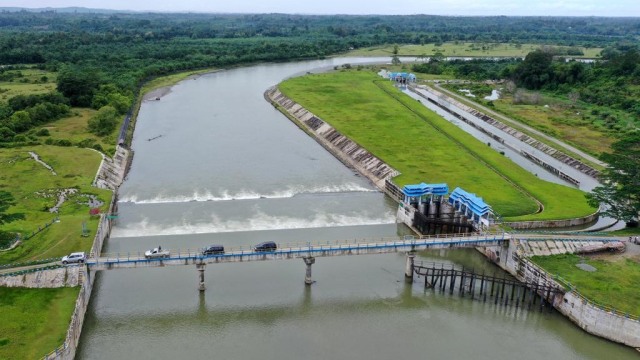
(594, 318)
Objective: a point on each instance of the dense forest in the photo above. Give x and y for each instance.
(102, 58)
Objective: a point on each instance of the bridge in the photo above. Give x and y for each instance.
(306, 251)
(309, 251)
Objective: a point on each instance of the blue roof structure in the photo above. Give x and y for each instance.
(425, 189)
(471, 201)
(403, 75)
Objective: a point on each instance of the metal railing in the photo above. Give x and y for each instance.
(572, 289)
(315, 247)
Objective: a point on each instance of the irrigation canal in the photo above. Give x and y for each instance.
(230, 169)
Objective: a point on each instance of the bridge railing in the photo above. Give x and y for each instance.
(317, 246)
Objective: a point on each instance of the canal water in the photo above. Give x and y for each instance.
(216, 164)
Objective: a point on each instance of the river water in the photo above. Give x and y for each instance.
(216, 164)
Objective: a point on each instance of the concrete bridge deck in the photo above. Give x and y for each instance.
(298, 251)
(339, 248)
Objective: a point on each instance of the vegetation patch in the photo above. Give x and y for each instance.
(23, 80)
(614, 284)
(34, 321)
(556, 116)
(459, 48)
(36, 191)
(425, 147)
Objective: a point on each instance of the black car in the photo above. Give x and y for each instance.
(213, 250)
(266, 246)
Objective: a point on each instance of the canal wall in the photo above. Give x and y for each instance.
(113, 170)
(444, 100)
(50, 278)
(527, 225)
(67, 351)
(343, 148)
(596, 319)
(83, 276)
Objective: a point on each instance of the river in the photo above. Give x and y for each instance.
(216, 164)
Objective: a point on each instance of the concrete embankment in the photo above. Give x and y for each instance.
(67, 351)
(50, 278)
(594, 318)
(343, 148)
(439, 97)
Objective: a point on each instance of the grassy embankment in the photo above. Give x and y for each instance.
(614, 283)
(577, 123)
(462, 49)
(36, 190)
(425, 147)
(34, 321)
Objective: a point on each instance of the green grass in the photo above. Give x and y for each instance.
(28, 84)
(34, 321)
(461, 49)
(560, 119)
(425, 147)
(615, 283)
(74, 129)
(24, 179)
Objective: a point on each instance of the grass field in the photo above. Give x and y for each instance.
(74, 128)
(614, 283)
(461, 49)
(28, 84)
(34, 321)
(35, 190)
(425, 147)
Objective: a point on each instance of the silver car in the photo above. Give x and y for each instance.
(76, 257)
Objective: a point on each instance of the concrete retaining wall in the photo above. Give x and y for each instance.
(67, 351)
(521, 225)
(112, 171)
(51, 278)
(346, 150)
(566, 159)
(593, 318)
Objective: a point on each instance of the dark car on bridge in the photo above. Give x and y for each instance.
(266, 246)
(213, 250)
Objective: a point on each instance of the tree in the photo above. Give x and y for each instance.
(535, 70)
(395, 60)
(78, 84)
(104, 121)
(620, 191)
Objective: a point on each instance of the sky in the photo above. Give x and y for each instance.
(396, 7)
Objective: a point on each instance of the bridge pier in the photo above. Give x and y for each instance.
(309, 260)
(408, 270)
(201, 267)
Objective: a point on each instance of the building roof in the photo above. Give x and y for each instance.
(473, 202)
(425, 189)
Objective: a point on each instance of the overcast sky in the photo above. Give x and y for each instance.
(440, 7)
